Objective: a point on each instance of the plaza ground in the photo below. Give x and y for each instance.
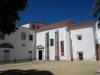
(58, 67)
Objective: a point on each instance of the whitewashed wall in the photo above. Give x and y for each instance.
(40, 40)
(19, 52)
(86, 45)
(63, 36)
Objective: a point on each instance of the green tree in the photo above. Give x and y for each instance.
(9, 14)
(96, 12)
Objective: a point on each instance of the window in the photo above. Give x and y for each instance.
(62, 47)
(80, 55)
(79, 37)
(38, 27)
(33, 26)
(23, 35)
(47, 39)
(98, 24)
(2, 36)
(51, 42)
(23, 45)
(30, 37)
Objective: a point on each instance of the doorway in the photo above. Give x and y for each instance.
(40, 54)
(30, 55)
(98, 52)
(6, 55)
(80, 56)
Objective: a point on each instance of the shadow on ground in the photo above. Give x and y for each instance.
(25, 72)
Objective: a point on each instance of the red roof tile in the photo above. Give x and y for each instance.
(81, 24)
(66, 22)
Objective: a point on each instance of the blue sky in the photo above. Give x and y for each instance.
(51, 11)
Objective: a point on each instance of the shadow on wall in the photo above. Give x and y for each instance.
(25, 72)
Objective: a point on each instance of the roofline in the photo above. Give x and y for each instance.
(51, 28)
(79, 25)
(70, 21)
(60, 21)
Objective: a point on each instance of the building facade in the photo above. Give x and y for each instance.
(18, 46)
(54, 39)
(83, 42)
(59, 41)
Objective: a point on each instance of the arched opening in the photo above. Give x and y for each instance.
(6, 45)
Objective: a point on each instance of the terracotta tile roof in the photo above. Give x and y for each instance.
(66, 22)
(81, 24)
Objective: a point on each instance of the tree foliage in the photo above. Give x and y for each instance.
(9, 14)
(96, 12)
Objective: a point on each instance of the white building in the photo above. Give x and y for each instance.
(58, 41)
(18, 46)
(83, 41)
(54, 39)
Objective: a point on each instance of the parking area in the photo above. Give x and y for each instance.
(57, 67)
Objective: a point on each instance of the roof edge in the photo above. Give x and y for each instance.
(57, 24)
(83, 24)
